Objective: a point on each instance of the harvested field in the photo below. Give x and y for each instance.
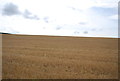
(52, 57)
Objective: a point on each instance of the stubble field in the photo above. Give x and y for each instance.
(52, 57)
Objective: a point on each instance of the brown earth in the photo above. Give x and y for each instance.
(52, 57)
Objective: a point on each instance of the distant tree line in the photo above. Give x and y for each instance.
(4, 33)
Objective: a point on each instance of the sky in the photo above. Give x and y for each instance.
(86, 18)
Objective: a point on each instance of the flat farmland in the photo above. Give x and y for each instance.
(53, 57)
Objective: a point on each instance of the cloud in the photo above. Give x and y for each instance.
(82, 23)
(106, 3)
(75, 9)
(46, 19)
(72, 15)
(76, 32)
(105, 11)
(8, 30)
(58, 28)
(10, 9)
(114, 17)
(93, 29)
(29, 15)
(85, 32)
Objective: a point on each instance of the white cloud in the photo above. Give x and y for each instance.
(114, 17)
(54, 13)
(106, 3)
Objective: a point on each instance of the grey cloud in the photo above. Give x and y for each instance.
(85, 32)
(82, 23)
(46, 19)
(93, 29)
(76, 32)
(29, 15)
(44, 27)
(72, 8)
(76, 9)
(58, 28)
(10, 9)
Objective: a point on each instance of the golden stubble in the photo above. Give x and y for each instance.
(52, 57)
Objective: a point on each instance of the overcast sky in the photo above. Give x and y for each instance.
(92, 18)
